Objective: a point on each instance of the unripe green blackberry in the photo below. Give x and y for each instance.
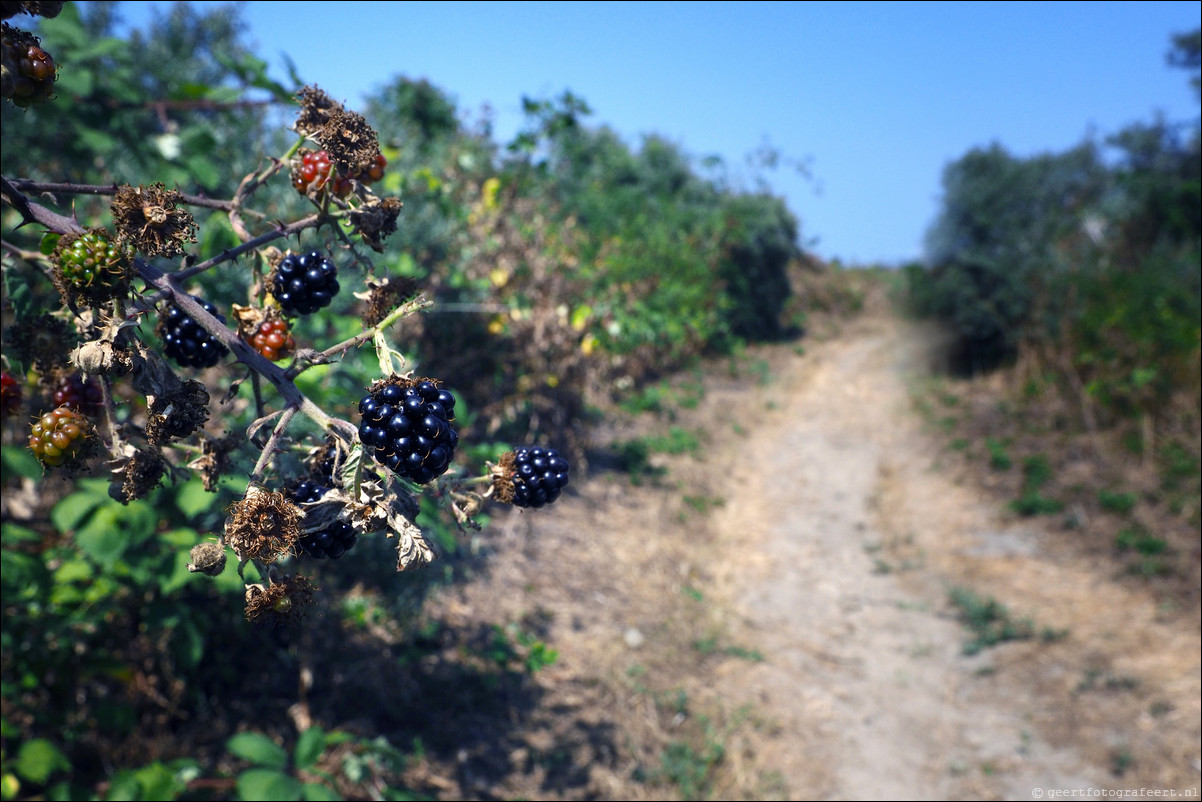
(91, 268)
(62, 436)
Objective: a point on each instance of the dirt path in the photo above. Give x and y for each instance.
(826, 542)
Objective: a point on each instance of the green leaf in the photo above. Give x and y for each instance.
(68, 514)
(73, 571)
(268, 785)
(22, 576)
(320, 792)
(258, 748)
(309, 746)
(38, 759)
(15, 533)
(75, 83)
(192, 499)
(20, 461)
(105, 537)
(188, 643)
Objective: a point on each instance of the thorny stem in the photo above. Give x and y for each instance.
(322, 357)
(233, 253)
(271, 446)
(112, 189)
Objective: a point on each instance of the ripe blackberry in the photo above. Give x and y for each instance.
(79, 394)
(10, 394)
(61, 436)
(407, 427)
(273, 340)
(186, 342)
(333, 542)
(304, 284)
(531, 477)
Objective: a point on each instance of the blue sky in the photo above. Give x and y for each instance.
(874, 98)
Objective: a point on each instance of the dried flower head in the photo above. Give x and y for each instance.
(316, 107)
(263, 525)
(207, 558)
(147, 218)
(137, 475)
(375, 220)
(11, 8)
(284, 601)
(384, 296)
(351, 143)
(177, 412)
(502, 478)
(214, 459)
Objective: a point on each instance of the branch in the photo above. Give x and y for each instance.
(111, 189)
(35, 212)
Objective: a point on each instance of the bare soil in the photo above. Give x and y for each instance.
(770, 618)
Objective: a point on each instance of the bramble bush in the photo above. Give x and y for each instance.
(1083, 263)
(241, 321)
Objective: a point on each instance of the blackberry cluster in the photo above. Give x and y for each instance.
(29, 71)
(92, 257)
(273, 340)
(79, 394)
(61, 436)
(315, 170)
(332, 542)
(10, 394)
(407, 427)
(186, 342)
(304, 284)
(537, 476)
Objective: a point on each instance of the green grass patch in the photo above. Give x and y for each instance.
(1036, 473)
(999, 460)
(988, 620)
(1121, 503)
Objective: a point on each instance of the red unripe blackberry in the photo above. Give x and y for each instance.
(34, 73)
(186, 342)
(332, 542)
(376, 171)
(406, 427)
(302, 284)
(80, 395)
(531, 477)
(313, 172)
(273, 340)
(10, 394)
(316, 170)
(61, 436)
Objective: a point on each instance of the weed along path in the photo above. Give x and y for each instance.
(780, 614)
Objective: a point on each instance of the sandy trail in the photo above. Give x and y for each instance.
(831, 551)
(848, 536)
